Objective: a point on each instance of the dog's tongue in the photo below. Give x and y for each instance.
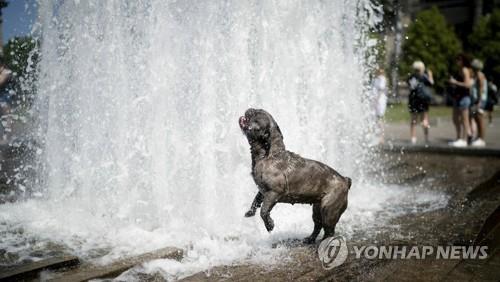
(243, 122)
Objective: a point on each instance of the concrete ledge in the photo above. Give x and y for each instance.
(114, 269)
(440, 149)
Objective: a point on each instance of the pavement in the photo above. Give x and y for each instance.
(397, 136)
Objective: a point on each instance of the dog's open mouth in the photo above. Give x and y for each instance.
(243, 123)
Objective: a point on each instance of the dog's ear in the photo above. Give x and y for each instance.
(279, 130)
(273, 125)
(266, 133)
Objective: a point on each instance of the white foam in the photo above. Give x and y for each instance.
(103, 239)
(137, 109)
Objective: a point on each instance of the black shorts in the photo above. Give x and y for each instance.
(416, 106)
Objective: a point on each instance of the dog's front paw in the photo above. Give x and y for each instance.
(269, 225)
(250, 213)
(309, 240)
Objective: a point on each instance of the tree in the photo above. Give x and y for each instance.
(21, 56)
(432, 41)
(3, 5)
(485, 43)
(18, 53)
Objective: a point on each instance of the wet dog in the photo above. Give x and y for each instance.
(285, 177)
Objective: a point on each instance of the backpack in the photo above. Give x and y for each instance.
(418, 89)
(492, 94)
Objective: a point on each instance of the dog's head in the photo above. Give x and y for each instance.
(260, 128)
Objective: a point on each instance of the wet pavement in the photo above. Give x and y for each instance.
(456, 225)
(473, 186)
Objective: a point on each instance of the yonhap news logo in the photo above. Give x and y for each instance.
(333, 251)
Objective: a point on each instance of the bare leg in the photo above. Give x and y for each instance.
(480, 125)
(317, 224)
(382, 130)
(413, 123)
(473, 124)
(457, 123)
(425, 125)
(270, 199)
(257, 201)
(465, 121)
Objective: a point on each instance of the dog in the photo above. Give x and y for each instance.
(285, 177)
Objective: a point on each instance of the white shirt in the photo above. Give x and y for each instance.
(379, 86)
(379, 90)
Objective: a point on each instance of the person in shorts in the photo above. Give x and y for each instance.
(479, 97)
(492, 100)
(419, 99)
(379, 102)
(462, 101)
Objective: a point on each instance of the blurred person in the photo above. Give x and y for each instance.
(419, 99)
(479, 96)
(379, 92)
(491, 101)
(5, 99)
(462, 101)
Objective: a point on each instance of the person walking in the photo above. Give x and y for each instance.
(462, 102)
(379, 96)
(419, 99)
(492, 100)
(479, 97)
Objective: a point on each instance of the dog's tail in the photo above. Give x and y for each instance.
(349, 182)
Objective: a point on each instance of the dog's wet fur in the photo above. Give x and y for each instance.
(285, 177)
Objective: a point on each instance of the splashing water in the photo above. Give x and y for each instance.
(138, 104)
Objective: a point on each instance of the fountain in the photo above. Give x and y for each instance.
(137, 116)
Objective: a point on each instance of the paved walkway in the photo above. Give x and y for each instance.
(441, 132)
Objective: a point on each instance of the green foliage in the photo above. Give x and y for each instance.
(432, 41)
(21, 56)
(485, 43)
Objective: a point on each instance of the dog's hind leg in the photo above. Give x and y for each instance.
(270, 199)
(333, 205)
(316, 216)
(255, 204)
